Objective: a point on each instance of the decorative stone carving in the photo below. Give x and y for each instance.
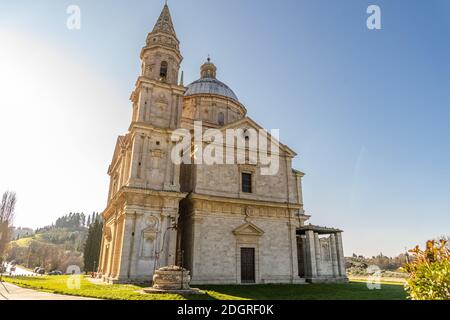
(108, 234)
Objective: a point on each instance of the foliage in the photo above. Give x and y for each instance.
(7, 207)
(68, 239)
(34, 253)
(54, 247)
(350, 291)
(92, 246)
(72, 221)
(429, 272)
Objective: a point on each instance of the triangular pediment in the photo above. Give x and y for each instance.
(248, 123)
(248, 229)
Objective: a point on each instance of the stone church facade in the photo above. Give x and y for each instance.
(226, 224)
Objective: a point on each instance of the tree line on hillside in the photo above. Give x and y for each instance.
(74, 239)
(73, 221)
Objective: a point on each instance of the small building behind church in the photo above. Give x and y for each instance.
(225, 223)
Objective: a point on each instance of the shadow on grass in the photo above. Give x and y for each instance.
(350, 291)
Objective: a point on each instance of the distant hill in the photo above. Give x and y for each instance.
(54, 247)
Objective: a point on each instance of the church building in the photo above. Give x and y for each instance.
(225, 223)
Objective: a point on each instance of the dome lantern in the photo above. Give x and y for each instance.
(208, 69)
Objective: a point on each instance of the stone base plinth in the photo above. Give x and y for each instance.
(173, 280)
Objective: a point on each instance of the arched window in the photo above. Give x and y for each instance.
(163, 71)
(221, 119)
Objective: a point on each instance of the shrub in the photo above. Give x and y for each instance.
(429, 272)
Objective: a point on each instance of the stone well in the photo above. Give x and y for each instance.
(172, 279)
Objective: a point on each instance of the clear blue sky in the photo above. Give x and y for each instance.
(367, 111)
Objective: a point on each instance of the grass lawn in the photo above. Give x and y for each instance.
(350, 291)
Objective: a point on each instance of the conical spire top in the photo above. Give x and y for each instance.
(164, 23)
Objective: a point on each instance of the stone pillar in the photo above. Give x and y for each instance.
(334, 259)
(196, 248)
(128, 245)
(135, 155)
(112, 248)
(100, 257)
(118, 247)
(311, 254)
(318, 256)
(144, 160)
(340, 255)
(294, 253)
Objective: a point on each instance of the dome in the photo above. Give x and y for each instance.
(208, 84)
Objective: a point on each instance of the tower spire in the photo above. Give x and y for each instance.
(164, 23)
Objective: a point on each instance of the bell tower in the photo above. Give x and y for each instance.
(157, 97)
(140, 232)
(161, 56)
(157, 105)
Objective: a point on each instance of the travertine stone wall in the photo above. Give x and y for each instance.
(212, 241)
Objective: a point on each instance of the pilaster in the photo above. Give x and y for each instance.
(311, 254)
(340, 255)
(334, 258)
(318, 254)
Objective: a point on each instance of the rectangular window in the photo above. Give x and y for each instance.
(247, 182)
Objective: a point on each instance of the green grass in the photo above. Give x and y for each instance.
(25, 242)
(350, 291)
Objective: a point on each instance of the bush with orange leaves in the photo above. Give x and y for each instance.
(429, 272)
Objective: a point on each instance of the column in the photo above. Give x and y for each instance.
(334, 259)
(196, 246)
(311, 254)
(318, 256)
(144, 160)
(168, 166)
(135, 155)
(118, 246)
(294, 253)
(340, 255)
(100, 257)
(128, 245)
(112, 248)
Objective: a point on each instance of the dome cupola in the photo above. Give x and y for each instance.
(208, 84)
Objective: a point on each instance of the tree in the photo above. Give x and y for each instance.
(7, 207)
(92, 246)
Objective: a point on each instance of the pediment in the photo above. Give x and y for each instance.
(248, 123)
(248, 229)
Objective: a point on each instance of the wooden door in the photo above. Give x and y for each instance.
(248, 265)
